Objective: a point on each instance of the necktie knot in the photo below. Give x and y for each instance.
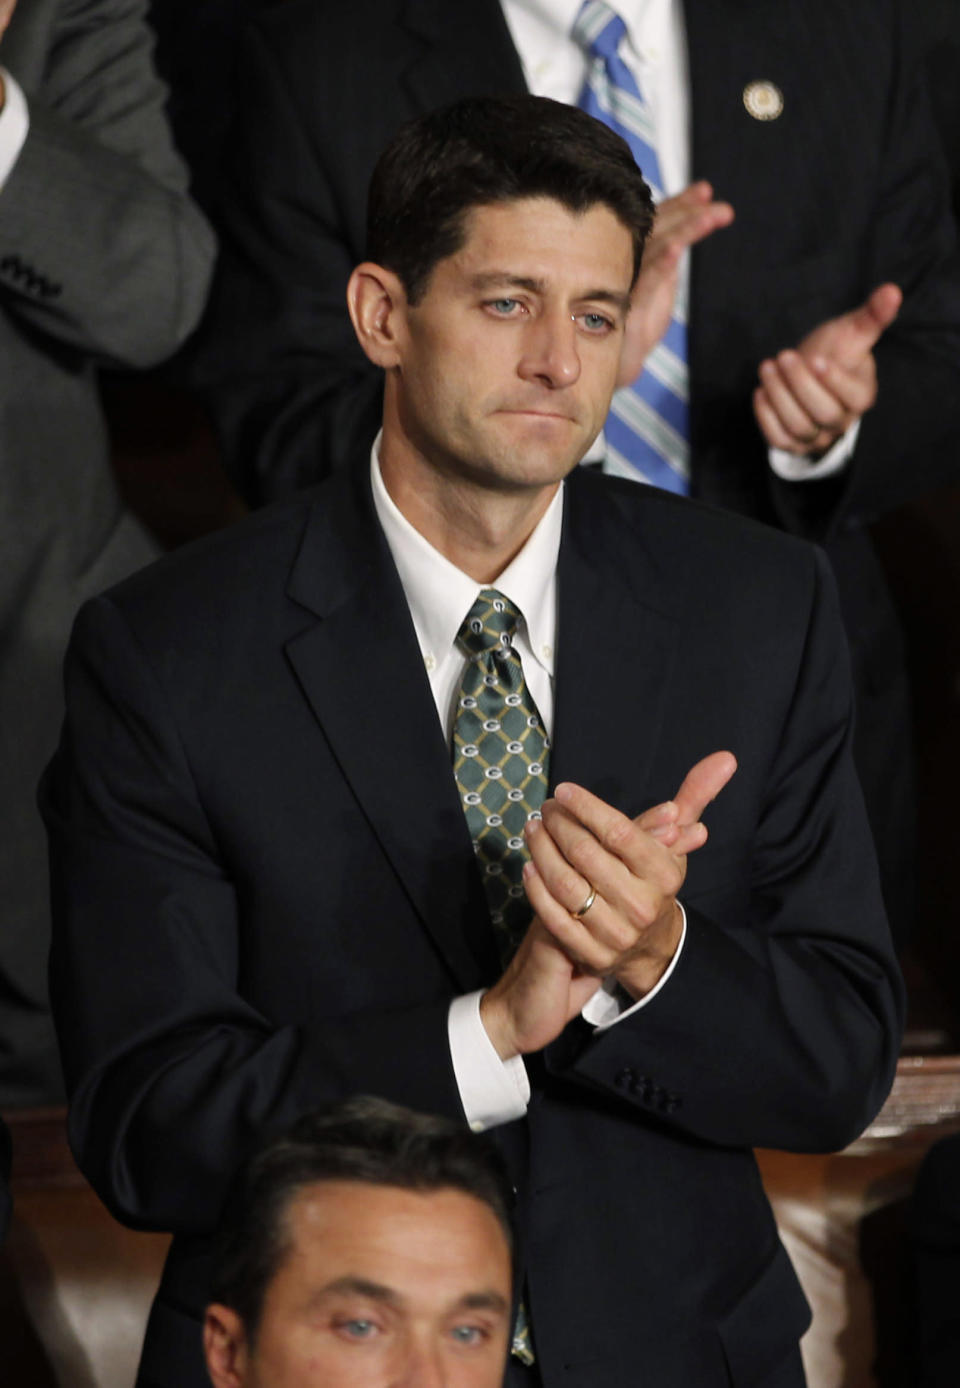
(490, 625)
(599, 29)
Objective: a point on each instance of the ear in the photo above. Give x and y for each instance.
(225, 1347)
(378, 305)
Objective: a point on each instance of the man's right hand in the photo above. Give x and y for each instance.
(541, 989)
(680, 222)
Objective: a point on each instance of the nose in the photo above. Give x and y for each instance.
(423, 1367)
(550, 350)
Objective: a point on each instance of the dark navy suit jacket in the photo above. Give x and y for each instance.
(266, 897)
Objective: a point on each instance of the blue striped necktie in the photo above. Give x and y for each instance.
(647, 432)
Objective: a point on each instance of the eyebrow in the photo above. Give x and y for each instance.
(484, 1301)
(376, 1291)
(359, 1286)
(506, 279)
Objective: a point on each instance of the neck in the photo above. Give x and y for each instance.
(479, 528)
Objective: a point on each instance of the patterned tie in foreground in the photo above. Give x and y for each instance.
(648, 429)
(500, 754)
(500, 763)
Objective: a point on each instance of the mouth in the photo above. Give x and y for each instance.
(529, 412)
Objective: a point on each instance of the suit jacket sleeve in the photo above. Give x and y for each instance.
(780, 1026)
(100, 246)
(172, 1072)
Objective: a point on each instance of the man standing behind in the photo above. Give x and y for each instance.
(103, 261)
(272, 889)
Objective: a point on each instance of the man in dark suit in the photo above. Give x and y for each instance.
(267, 891)
(836, 192)
(103, 260)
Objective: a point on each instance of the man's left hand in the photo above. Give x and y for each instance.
(636, 867)
(809, 397)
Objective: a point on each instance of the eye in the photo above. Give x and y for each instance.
(357, 1328)
(469, 1334)
(505, 308)
(597, 323)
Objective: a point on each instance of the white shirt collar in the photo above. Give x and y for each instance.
(558, 16)
(440, 595)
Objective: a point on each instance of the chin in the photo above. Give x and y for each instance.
(542, 450)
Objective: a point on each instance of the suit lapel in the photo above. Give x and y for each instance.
(360, 668)
(616, 646)
(463, 51)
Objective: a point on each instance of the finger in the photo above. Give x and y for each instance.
(671, 209)
(801, 427)
(871, 320)
(684, 227)
(661, 821)
(855, 390)
(563, 879)
(770, 426)
(597, 941)
(689, 838)
(702, 784)
(607, 847)
(700, 224)
(810, 391)
(573, 862)
(563, 928)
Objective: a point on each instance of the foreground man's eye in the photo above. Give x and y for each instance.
(357, 1328)
(469, 1334)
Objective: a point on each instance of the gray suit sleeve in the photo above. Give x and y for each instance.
(101, 247)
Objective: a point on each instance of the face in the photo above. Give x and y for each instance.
(506, 365)
(382, 1288)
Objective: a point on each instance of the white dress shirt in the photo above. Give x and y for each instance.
(439, 596)
(654, 50)
(14, 124)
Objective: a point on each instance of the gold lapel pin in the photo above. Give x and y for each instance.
(763, 100)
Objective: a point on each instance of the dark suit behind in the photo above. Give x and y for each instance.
(103, 259)
(266, 897)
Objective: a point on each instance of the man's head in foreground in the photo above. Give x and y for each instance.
(504, 238)
(368, 1246)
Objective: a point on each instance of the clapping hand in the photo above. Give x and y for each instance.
(631, 928)
(809, 397)
(680, 222)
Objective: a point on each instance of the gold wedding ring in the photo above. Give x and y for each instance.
(587, 904)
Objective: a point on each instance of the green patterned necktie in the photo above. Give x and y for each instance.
(500, 754)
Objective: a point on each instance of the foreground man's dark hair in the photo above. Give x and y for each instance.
(363, 1139)
(489, 150)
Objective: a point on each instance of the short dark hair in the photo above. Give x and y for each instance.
(489, 150)
(362, 1139)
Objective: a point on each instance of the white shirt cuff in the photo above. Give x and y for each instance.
(793, 469)
(611, 1003)
(492, 1091)
(14, 125)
